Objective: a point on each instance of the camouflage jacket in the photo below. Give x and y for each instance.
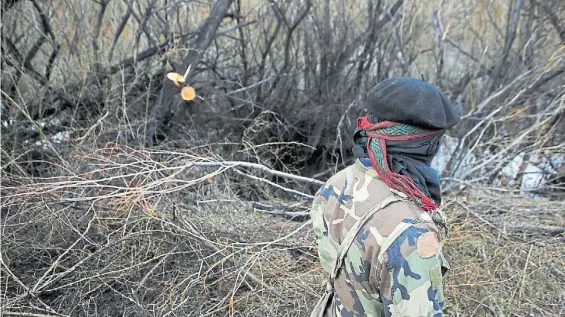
(395, 265)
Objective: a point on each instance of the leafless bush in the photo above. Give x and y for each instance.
(118, 197)
(299, 69)
(123, 233)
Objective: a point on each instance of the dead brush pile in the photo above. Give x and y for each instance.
(133, 232)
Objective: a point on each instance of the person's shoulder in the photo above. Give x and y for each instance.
(338, 178)
(398, 222)
(339, 191)
(336, 182)
(394, 218)
(349, 174)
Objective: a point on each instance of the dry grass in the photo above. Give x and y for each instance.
(138, 233)
(502, 265)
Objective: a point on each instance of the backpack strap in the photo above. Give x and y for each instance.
(320, 307)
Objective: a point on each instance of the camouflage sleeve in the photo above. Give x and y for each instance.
(327, 248)
(411, 278)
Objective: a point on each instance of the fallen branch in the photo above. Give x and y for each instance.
(544, 230)
(274, 184)
(290, 215)
(11, 313)
(260, 167)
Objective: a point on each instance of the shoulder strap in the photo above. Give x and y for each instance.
(352, 233)
(344, 247)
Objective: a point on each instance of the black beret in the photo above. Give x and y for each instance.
(411, 101)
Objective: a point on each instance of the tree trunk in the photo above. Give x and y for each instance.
(170, 93)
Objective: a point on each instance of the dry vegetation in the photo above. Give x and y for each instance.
(121, 199)
(138, 232)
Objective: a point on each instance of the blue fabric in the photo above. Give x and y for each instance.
(396, 260)
(366, 162)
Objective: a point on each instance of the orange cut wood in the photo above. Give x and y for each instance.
(176, 78)
(188, 93)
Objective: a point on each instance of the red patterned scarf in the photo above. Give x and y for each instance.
(378, 134)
